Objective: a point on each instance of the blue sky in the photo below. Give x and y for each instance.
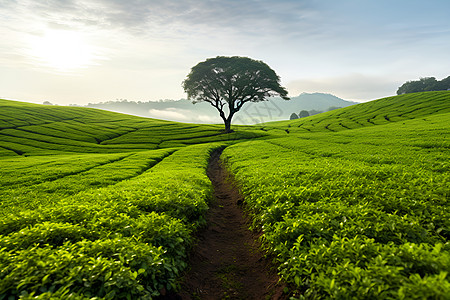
(80, 51)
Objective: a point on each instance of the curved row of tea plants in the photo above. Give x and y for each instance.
(43, 181)
(31, 129)
(361, 214)
(87, 210)
(124, 241)
(90, 210)
(378, 112)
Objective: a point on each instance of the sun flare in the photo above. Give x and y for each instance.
(62, 50)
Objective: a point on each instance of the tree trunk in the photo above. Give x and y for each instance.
(228, 125)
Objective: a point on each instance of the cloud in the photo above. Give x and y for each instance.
(155, 16)
(146, 47)
(355, 86)
(253, 15)
(166, 30)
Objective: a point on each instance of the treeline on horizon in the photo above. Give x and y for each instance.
(306, 113)
(425, 84)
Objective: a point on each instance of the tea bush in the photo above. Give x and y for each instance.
(360, 214)
(125, 240)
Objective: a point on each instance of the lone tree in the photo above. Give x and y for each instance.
(227, 83)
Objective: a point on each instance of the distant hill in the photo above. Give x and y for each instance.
(316, 101)
(173, 110)
(184, 111)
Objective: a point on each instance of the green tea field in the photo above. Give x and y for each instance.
(349, 204)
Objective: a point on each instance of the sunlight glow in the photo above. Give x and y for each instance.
(61, 50)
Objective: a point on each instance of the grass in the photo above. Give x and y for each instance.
(352, 203)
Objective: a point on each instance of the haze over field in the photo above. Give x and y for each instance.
(275, 109)
(79, 51)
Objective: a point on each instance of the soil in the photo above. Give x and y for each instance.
(227, 262)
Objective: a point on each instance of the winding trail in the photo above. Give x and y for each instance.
(226, 263)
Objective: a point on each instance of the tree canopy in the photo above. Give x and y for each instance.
(303, 114)
(424, 85)
(227, 83)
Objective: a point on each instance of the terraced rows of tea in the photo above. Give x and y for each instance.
(31, 129)
(353, 203)
(360, 214)
(383, 111)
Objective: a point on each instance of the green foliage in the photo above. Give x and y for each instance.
(424, 85)
(360, 214)
(126, 239)
(33, 182)
(377, 112)
(227, 83)
(303, 114)
(30, 129)
(53, 234)
(90, 208)
(293, 116)
(111, 269)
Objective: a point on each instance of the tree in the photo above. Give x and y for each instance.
(422, 85)
(293, 116)
(227, 83)
(443, 85)
(303, 114)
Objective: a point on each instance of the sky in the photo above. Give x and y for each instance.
(81, 51)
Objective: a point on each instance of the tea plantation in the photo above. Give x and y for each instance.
(351, 204)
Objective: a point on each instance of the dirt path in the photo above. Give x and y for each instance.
(226, 263)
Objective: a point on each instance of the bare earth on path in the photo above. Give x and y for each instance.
(226, 263)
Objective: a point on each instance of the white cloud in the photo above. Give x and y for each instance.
(153, 16)
(144, 48)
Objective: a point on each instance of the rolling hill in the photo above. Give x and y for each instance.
(378, 112)
(352, 203)
(32, 129)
